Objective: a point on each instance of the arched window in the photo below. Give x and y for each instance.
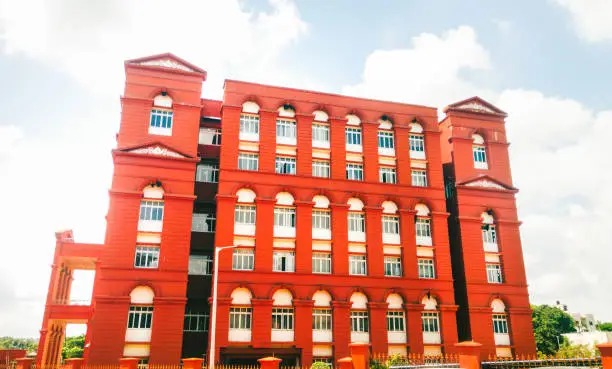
(284, 227)
(489, 234)
(282, 316)
(360, 319)
(479, 152)
(417, 141)
(321, 218)
(240, 316)
(244, 218)
(356, 233)
(160, 122)
(396, 320)
(391, 240)
(423, 225)
(386, 140)
(140, 316)
(320, 130)
(430, 321)
(249, 122)
(500, 323)
(322, 317)
(353, 134)
(151, 209)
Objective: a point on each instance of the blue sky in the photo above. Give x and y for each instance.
(545, 62)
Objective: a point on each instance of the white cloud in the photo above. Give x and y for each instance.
(592, 19)
(560, 161)
(430, 72)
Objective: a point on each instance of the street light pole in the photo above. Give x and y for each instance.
(213, 323)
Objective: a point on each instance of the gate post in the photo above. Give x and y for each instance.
(469, 354)
(24, 363)
(193, 363)
(345, 363)
(360, 353)
(269, 362)
(128, 363)
(75, 363)
(606, 355)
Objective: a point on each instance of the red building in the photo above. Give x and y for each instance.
(351, 220)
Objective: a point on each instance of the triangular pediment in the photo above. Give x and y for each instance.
(476, 105)
(155, 149)
(486, 182)
(166, 61)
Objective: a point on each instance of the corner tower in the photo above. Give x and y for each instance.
(487, 257)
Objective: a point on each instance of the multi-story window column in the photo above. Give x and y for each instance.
(448, 322)
(342, 327)
(434, 157)
(338, 149)
(304, 144)
(378, 326)
(226, 207)
(439, 234)
(267, 141)
(374, 241)
(264, 234)
(303, 243)
(369, 130)
(262, 322)
(409, 249)
(402, 155)
(303, 329)
(340, 237)
(414, 326)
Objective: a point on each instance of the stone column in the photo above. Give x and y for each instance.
(303, 243)
(338, 148)
(340, 239)
(261, 330)
(303, 329)
(469, 354)
(409, 248)
(304, 144)
(448, 315)
(342, 327)
(402, 153)
(373, 215)
(226, 207)
(267, 141)
(439, 230)
(264, 234)
(378, 327)
(415, 327)
(370, 151)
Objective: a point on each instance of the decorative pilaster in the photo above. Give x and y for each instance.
(342, 327)
(378, 326)
(303, 243)
(415, 327)
(376, 267)
(340, 242)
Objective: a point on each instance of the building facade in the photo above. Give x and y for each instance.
(349, 220)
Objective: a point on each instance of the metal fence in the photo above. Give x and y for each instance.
(588, 362)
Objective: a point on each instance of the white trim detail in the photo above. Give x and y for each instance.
(486, 184)
(157, 150)
(166, 63)
(476, 107)
(250, 107)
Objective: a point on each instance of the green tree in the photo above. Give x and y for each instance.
(549, 323)
(73, 347)
(573, 351)
(29, 344)
(606, 327)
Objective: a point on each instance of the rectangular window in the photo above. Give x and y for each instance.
(152, 210)
(282, 319)
(210, 136)
(480, 155)
(285, 165)
(500, 324)
(390, 224)
(284, 217)
(426, 269)
(387, 175)
(249, 127)
(243, 259)
(395, 321)
(146, 257)
(200, 265)
(430, 322)
(354, 172)
(488, 234)
(240, 318)
(356, 222)
(385, 140)
(360, 321)
(419, 178)
(321, 262)
(284, 261)
(140, 317)
(393, 266)
(321, 219)
(494, 273)
(358, 265)
(423, 227)
(207, 173)
(320, 168)
(285, 129)
(195, 321)
(320, 135)
(203, 222)
(417, 145)
(248, 161)
(161, 119)
(353, 136)
(244, 214)
(322, 319)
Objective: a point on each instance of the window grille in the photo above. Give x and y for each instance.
(353, 136)
(417, 143)
(203, 222)
(284, 261)
(500, 324)
(285, 165)
(210, 136)
(161, 118)
(285, 128)
(426, 269)
(494, 273)
(207, 173)
(284, 217)
(195, 321)
(243, 259)
(322, 319)
(245, 214)
(419, 178)
(387, 175)
(360, 321)
(390, 224)
(395, 321)
(240, 318)
(320, 168)
(356, 222)
(354, 172)
(282, 319)
(152, 210)
(249, 125)
(248, 161)
(385, 140)
(146, 257)
(140, 317)
(321, 219)
(200, 265)
(430, 322)
(393, 266)
(321, 262)
(358, 265)
(320, 133)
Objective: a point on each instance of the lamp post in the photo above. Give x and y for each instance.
(213, 324)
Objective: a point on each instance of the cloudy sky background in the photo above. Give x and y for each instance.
(547, 63)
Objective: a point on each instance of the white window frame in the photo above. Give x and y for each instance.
(283, 319)
(320, 135)
(353, 137)
(243, 259)
(207, 173)
(240, 318)
(489, 238)
(387, 175)
(286, 132)
(358, 264)
(321, 263)
(360, 321)
(284, 217)
(356, 222)
(422, 228)
(249, 127)
(285, 165)
(213, 135)
(500, 324)
(396, 321)
(417, 146)
(390, 224)
(204, 222)
(151, 216)
(419, 177)
(146, 257)
(200, 265)
(283, 261)
(426, 268)
(248, 161)
(494, 273)
(354, 172)
(140, 317)
(196, 321)
(386, 143)
(430, 322)
(321, 219)
(479, 153)
(393, 266)
(322, 319)
(245, 214)
(160, 122)
(321, 168)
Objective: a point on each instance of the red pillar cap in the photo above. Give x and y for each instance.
(270, 358)
(468, 344)
(347, 359)
(192, 359)
(357, 344)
